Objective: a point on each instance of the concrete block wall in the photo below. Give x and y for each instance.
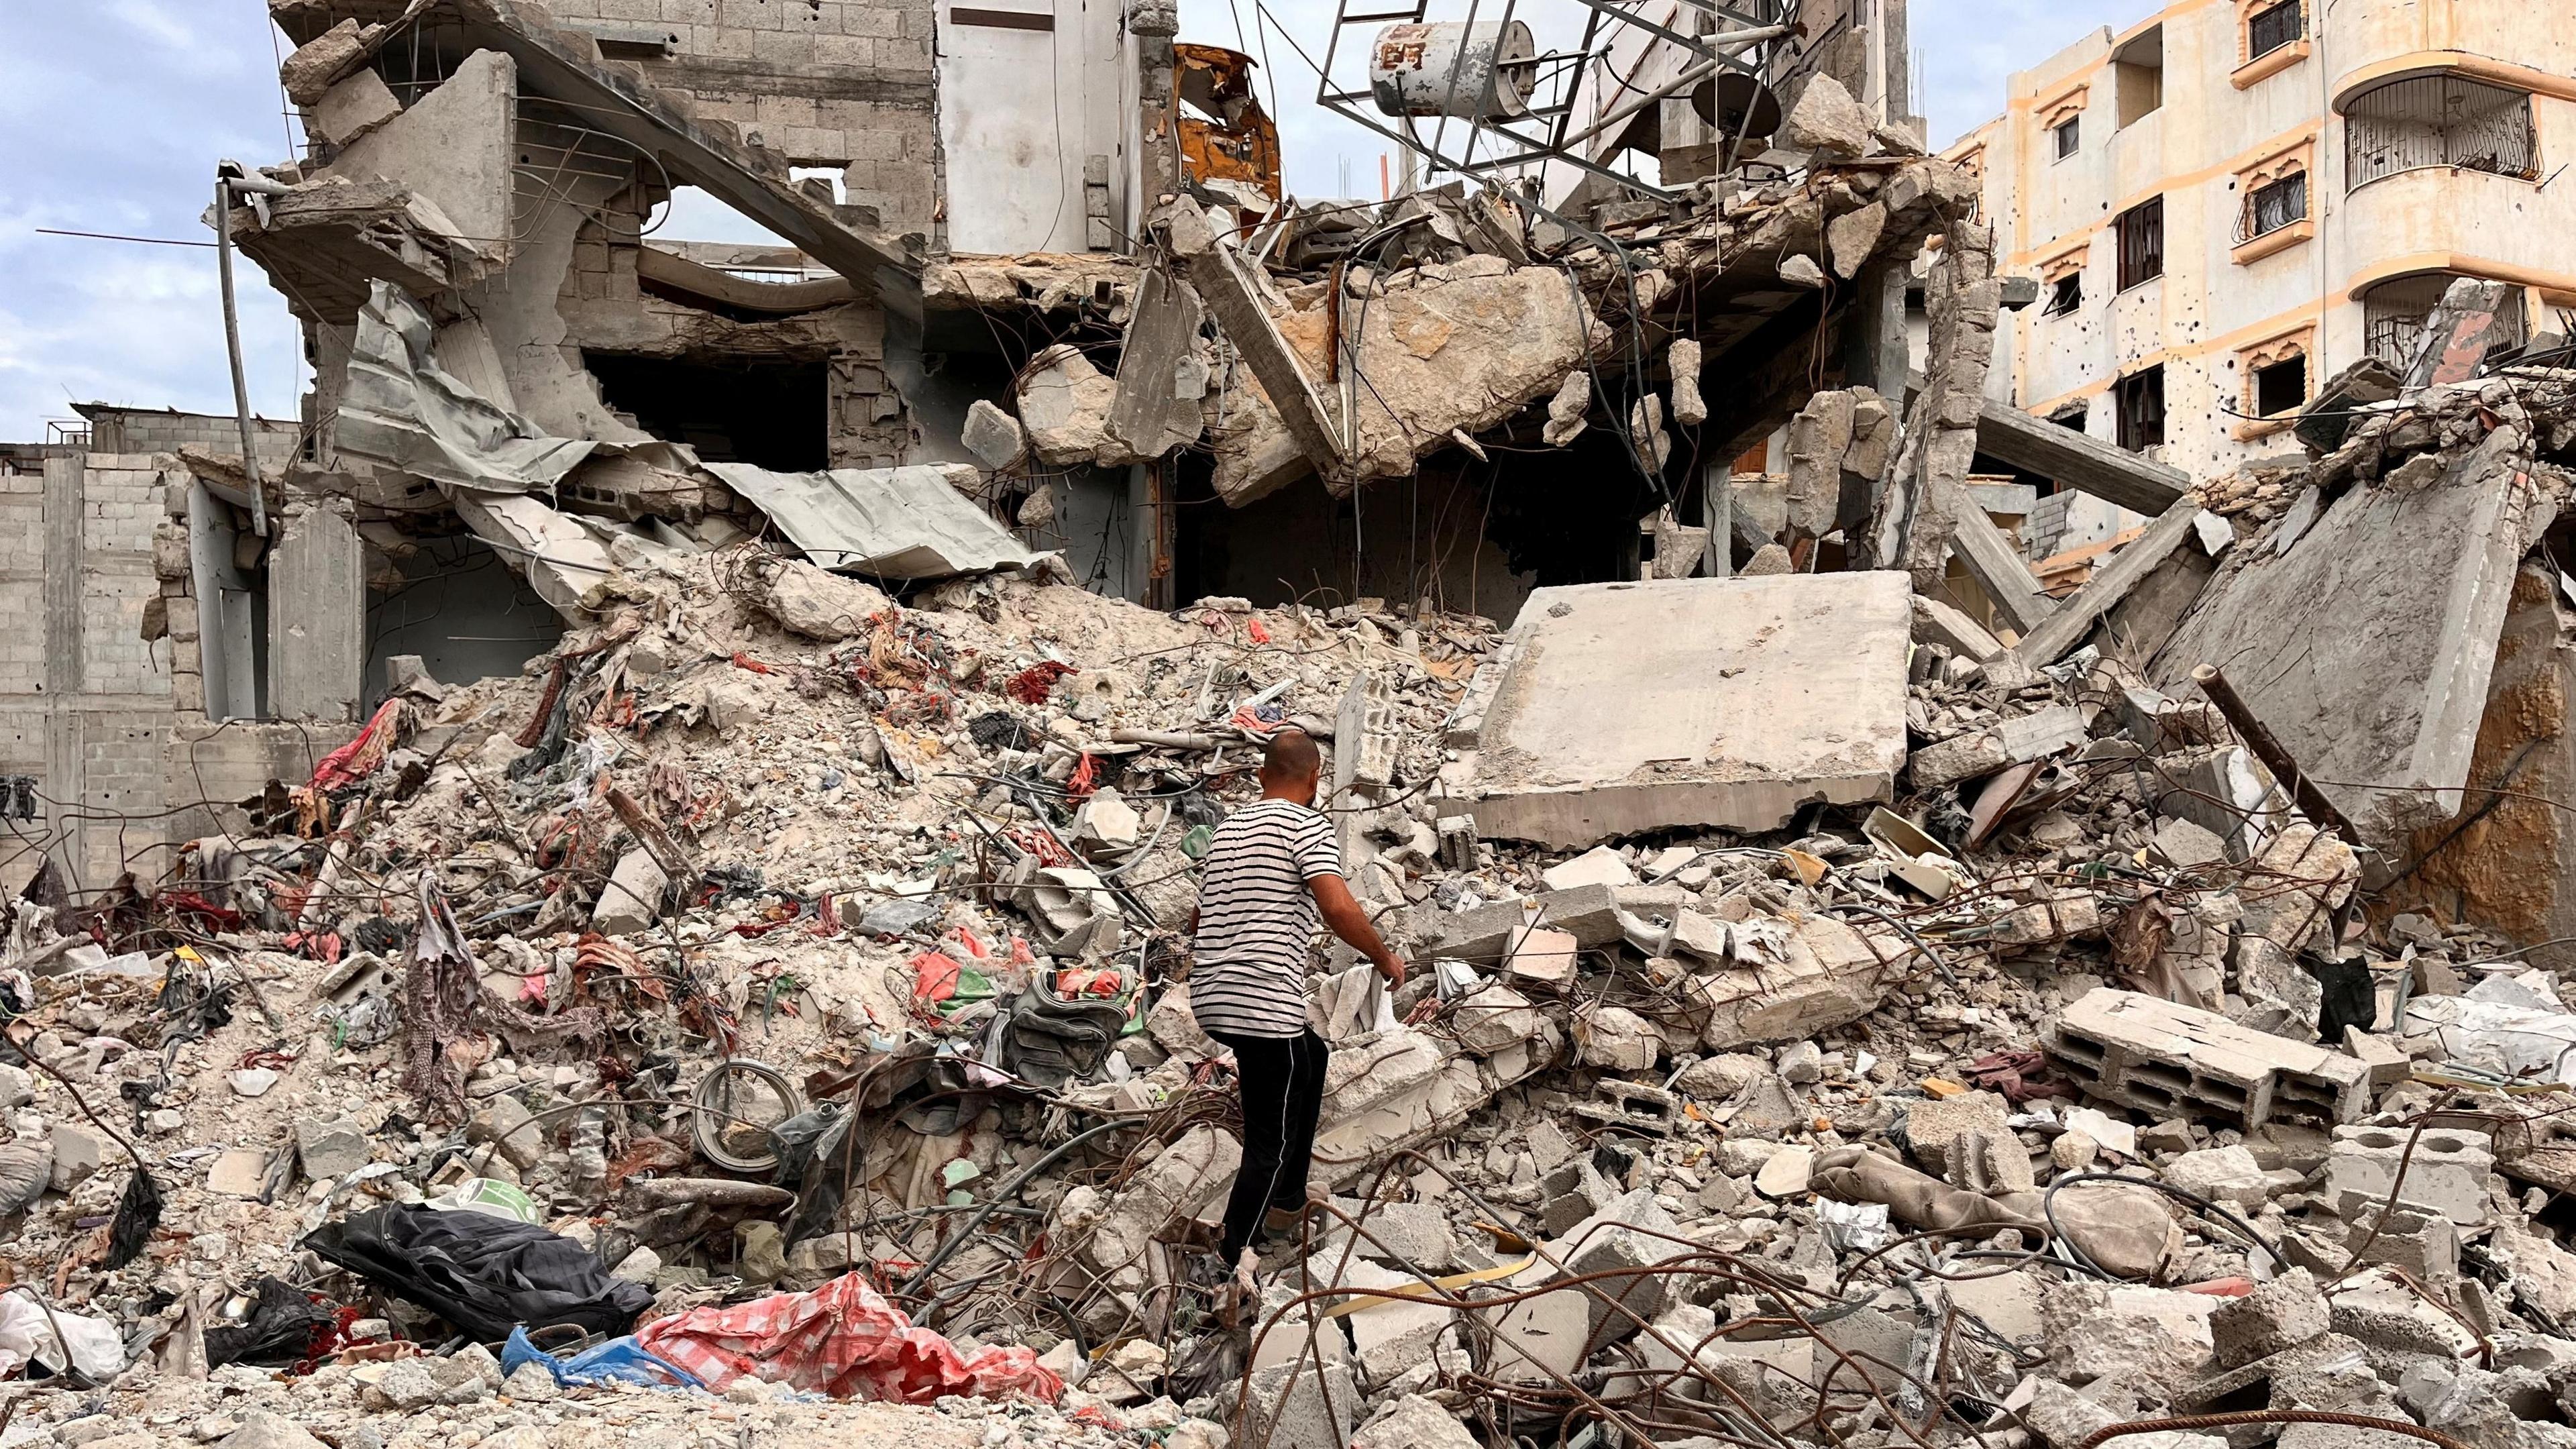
(121, 499)
(142, 430)
(838, 83)
(85, 702)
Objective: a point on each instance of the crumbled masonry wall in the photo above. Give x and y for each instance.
(145, 430)
(834, 83)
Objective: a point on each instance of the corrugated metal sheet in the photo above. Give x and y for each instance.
(405, 411)
(888, 523)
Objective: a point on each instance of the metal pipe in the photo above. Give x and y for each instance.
(226, 173)
(2269, 749)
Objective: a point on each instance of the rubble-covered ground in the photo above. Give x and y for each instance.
(772, 938)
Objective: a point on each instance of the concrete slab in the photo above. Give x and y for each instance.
(1731, 703)
(2366, 649)
(455, 147)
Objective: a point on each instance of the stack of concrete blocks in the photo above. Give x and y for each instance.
(2170, 1060)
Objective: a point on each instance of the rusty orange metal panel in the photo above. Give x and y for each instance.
(1224, 133)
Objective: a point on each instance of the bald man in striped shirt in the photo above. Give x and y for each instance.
(1273, 870)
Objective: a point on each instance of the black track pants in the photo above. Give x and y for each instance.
(1283, 1092)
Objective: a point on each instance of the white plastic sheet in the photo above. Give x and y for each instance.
(97, 1349)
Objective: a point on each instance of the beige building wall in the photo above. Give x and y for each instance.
(2403, 118)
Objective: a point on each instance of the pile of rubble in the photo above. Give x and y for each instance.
(1856, 1004)
(1965, 1047)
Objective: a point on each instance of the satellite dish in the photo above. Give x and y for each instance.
(1737, 104)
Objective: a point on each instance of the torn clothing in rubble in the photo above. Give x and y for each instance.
(1257, 917)
(486, 1275)
(1283, 1097)
(842, 1339)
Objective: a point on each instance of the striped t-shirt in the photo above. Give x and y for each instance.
(1257, 917)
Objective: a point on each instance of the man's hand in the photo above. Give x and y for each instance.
(1350, 922)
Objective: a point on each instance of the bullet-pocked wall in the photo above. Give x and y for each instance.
(2231, 201)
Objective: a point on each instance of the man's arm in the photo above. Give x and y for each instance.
(1343, 913)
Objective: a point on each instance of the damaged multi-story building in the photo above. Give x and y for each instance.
(1139, 363)
(2225, 204)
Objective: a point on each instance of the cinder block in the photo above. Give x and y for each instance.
(2170, 1060)
(2446, 1173)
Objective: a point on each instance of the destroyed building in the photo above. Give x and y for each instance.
(558, 902)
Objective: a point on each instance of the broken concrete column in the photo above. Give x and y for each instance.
(1819, 437)
(317, 613)
(1238, 295)
(1921, 503)
(1682, 359)
(1565, 420)
(1162, 374)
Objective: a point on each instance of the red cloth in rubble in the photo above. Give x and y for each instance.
(359, 757)
(842, 1339)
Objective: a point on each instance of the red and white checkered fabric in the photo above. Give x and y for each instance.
(842, 1339)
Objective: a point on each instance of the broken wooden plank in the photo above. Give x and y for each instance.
(2078, 460)
(1997, 566)
(1224, 282)
(2076, 615)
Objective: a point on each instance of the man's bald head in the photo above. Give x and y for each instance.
(1291, 760)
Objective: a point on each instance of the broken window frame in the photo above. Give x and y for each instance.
(2065, 295)
(2266, 33)
(2259, 380)
(2421, 123)
(2282, 202)
(2140, 399)
(2141, 231)
(2067, 136)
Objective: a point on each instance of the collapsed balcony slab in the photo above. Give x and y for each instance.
(1623, 708)
(2365, 645)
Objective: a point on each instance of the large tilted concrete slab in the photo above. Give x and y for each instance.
(1615, 709)
(2366, 647)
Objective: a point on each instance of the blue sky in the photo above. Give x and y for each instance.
(117, 110)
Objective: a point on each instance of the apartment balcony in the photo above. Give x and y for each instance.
(2448, 219)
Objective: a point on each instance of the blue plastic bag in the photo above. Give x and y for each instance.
(619, 1360)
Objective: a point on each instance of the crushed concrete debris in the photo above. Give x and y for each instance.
(1852, 1003)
